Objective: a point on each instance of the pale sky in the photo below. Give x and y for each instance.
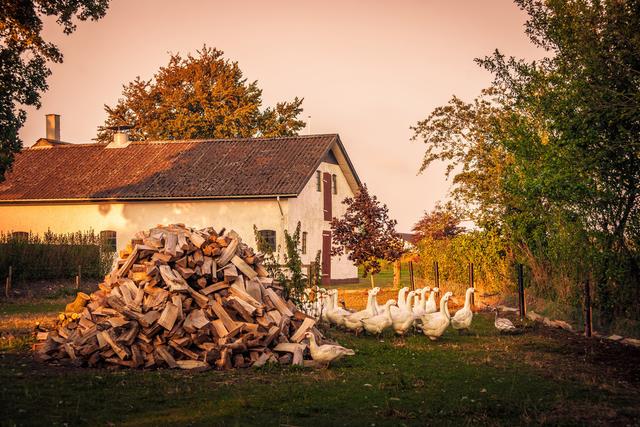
(367, 70)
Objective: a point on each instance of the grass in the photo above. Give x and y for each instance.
(383, 279)
(539, 377)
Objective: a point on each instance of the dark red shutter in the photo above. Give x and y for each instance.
(326, 258)
(326, 178)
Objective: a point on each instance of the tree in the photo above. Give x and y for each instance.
(366, 233)
(24, 56)
(443, 222)
(201, 96)
(549, 158)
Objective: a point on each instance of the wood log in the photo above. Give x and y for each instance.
(168, 317)
(193, 365)
(228, 322)
(164, 354)
(278, 302)
(307, 324)
(244, 267)
(228, 253)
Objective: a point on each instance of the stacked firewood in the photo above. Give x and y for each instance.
(182, 298)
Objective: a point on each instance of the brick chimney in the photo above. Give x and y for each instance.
(53, 127)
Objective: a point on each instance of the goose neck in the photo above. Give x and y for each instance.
(467, 299)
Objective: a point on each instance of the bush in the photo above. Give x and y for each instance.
(53, 256)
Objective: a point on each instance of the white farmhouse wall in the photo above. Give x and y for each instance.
(128, 218)
(308, 209)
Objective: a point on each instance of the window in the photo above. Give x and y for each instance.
(334, 182)
(318, 181)
(269, 237)
(108, 239)
(304, 242)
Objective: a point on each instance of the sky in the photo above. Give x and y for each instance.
(367, 70)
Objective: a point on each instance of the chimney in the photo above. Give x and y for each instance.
(120, 137)
(53, 127)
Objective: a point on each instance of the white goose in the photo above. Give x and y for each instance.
(336, 314)
(402, 300)
(462, 319)
(326, 353)
(503, 324)
(404, 318)
(353, 321)
(324, 305)
(430, 306)
(419, 306)
(434, 324)
(375, 325)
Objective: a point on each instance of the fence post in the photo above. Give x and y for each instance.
(413, 286)
(521, 302)
(588, 324)
(471, 284)
(7, 286)
(79, 277)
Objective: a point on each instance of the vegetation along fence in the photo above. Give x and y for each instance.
(28, 256)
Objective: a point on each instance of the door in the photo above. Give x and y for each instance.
(326, 258)
(326, 188)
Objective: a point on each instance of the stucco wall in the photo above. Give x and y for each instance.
(308, 208)
(127, 218)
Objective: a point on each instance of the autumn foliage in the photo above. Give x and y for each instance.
(366, 233)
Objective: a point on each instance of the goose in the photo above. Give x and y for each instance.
(324, 305)
(434, 324)
(353, 321)
(336, 314)
(462, 319)
(402, 300)
(326, 353)
(375, 325)
(403, 319)
(430, 306)
(503, 324)
(418, 307)
(372, 303)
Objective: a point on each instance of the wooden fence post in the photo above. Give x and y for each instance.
(397, 273)
(471, 284)
(521, 301)
(79, 277)
(413, 285)
(588, 323)
(7, 286)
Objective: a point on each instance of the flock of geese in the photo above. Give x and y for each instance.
(413, 310)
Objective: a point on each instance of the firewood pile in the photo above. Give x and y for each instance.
(181, 298)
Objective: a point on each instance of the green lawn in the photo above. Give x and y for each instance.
(384, 279)
(540, 377)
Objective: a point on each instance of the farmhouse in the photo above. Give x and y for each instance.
(124, 186)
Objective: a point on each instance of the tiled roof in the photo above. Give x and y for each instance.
(168, 169)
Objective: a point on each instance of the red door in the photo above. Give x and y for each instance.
(326, 179)
(326, 258)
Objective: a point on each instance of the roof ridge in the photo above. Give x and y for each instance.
(191, 141)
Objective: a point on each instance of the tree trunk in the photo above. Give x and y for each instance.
(397, 266)
(372, 282)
